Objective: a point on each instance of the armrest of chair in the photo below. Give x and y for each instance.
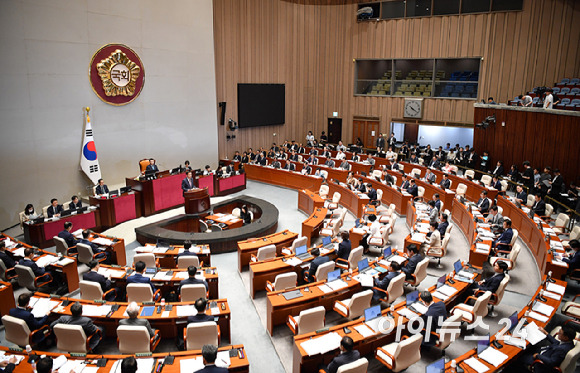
(381, 291)
(479, 293)
(287, 251)
(97, 334)
(538, 361)
(38, 335)
(459, 306)
(10, 274)
(112, 293)
(219, 334)
(292, 324)
(339, 311)
(269, 286)
(69, 251)
(575, 275)
(413, 278)
(38, 282)
(386, 353)
(342, 263)
(102, 258)
(154, 341)
(157, 295)
(253, 258)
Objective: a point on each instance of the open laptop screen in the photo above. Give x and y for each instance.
(362, 264)
(412, 297)
(326, 240)
(482, 344)
(387, 252)
(457, 266)
(372, 312)
(301, 250)
(436, 367)
(333, 275)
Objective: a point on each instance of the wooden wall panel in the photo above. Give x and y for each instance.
(309, 45)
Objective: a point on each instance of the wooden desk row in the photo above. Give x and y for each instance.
(168, 258)
(288, 179)
(41, 234)
(239, 363)
(250, 247)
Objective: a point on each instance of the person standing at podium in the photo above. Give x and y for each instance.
(188, 183)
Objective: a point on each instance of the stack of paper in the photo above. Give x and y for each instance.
(223, 359)
(533, 333)
(482, 248)
(103, 241)
(78, 233)
(398, 259)
(324, 288)
(19, 252)
(418, 237)
(66, 261)
(143, 365)
(447, 290)
(294, 261)
(43, 306)
(518, 342)
(337, 284)
(162, 276)
(476, 365)
(539, 317)
(96, 311)
(181, 275)
(145, 249)
(364, 330)
(554, 288)
(407, 313)
(549, 294)
(493, 356)
(45, 260)
(184, 311)
(483, 225)
(543, 308)
(322, 345)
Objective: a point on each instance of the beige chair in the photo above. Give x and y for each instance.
(324, 174)
(355, 306)
(45, 211)
(336, 218)
(511, 258)
(61, 246)
(398, 356)
(141, 293)
(448, 332)
(331, 231)
(353, 258)
(416, 172)
(461, 189)
(379, 197)
(187, 261)
(573, 235)
(283, 281)
(308, 321)
(147, 258)
(72, 338)
(394, 290)
(531, 200)
(22, 219)
(504, 185)
(321, 272)
(439, 252)
(377, 173)
(236, 212)
(572, 308)
(192, 292)
(323, 191)
(359, 366)
(92, 291)
(26, 278)
(86, 254)
(376, 243)
(264, 253)
(561, 223)
(486, 180)
(420, 192)
(470, 173)
(548, 213)
(16, 331)
(470, 313)
(6, 274)
(419, 274)
(300, 241)
(196, 335)
(136, 340)
(333, 205)
(570, 361)
(448, 229)
(497, 296)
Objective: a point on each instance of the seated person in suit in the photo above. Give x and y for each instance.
(442, 227)
(44, 365)
(345, 165)
(347, 355)
(414, 159)
(521, 195)
(67, 236)
(429, 176)
(551, 352)
(394, 271)
(573, 258)
(77, 318)
(433, 212)
(29, 213)
(495, 219)
(245, 158)
(4, 257)
(133, 312)
(201, 316)
(152, 166)
(186, 251)
(54, 209)
(187, 167)
(316, 262)
(237, 156)
(22, 312)
(129, 365)
(344, 246)
(94, 276)
(539, 206)
(411, 265)
(192, 271)
(355, 157)
(434, 236)
(188, 183)
(101, 188)
(7, 366)
(75, 203)
(495, 183)
(245, 215)
(207, 170)
(340, 156)
(405, 183)
(306, 169)
(433, 319)
(362, 187)
(437, 201)
(138, 278)
(276, 163)
(372, 193)
(445, 183)
(350, 179)
(329, 163)
(96, 249)
(209, 353)
(413, 190)
(491, 283)
(29, 262)
(373, 231)
(290, 166)
(483, 203)
(505, 238)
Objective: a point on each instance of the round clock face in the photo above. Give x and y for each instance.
(412, 109)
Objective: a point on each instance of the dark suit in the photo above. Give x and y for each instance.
(445, 183)
(496, 185)
(435, 164)
(73, 206)
(528, 177)
(413, 190)
(138, 278)
(8, 261)
(237, 157)
(293, 157)
(573, 261)
(552, 355)
(414, 160)
(213, 369)
(383, 284)
(68, 237)
(315, 264)
(492, 283)
(276, 164)
(35, 268)
(557, 183)
(138, 322)
(498, 171)
(54, 210)
(94, 276)
(152, 167)
(442, 228)
(372, 193)
(405, 185)
(523, 196)
(344, 249)
(437, 314)
(483, 205)
(329, 163)
(342, 359)
(200, 317)
(505, 238)
(101, 189)
(187, 184)
(192, 281)
(539, 208)
(32, 322)
(381, 142)
(411, 265)
(245, 159)
(290, 166)
(87, 324)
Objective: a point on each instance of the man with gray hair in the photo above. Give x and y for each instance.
(133, 312)
(209, 353)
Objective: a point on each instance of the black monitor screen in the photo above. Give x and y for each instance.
(261, 104)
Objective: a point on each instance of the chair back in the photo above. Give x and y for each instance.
(25, 277)
(324, 174)
(379, 195)
(266, 252)
(531, 200)
(216, 228)
(3, 271)
(147, 258)
(562, 220)
(449, 331)
(16, 330)
(420, 191)
(70, 338)
(448, 230)
(416, 172)
(285, 280)
(500, 210)
(549, 209)
(359, 303)
(300, 241)
(199, 334)
(61, 245)
(461, 189)
(470, 173)
(85, 253)
(480, 306)
(501, 289)
(421, 270)
(22, 218)
(336, 197)
(575, 233)
(323, 191)
(133, 339)
(513, 255)
(192, 292)
(187, 260)
(515, 236)
(323, 269)
(395, 288)
(203, 226)
(354, 257)
(359, 366)
(139, 293)
(236, 212)
(504, 185)
(143, 165)
(568, 365)
(45, 211)
(486, 180)
(444, 245)
(377, 173)
(408, 352)
(311, 320)
(90, 290)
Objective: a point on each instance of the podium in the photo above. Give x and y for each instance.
(196, 201)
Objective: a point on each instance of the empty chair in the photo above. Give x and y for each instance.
(72, 338)
(187, 261)
(26, 278)
(420, 192)
(6, 274)
(379, 197)
(510, 260)
(321, 272)
(572, 308)
(398, 356)
(16, 331)
(308, 321)
(324, 174)
(196, 335)
(439, 252)
(323, 191)
(337, 218)
(86, 254)
(561, 223)
(377, 173)
(203, 227)
(236, 212)
(470, 313)
(92, 291)
(470, 173)
(355, 306)
(192, 292)
(416, 172)
(141, 293)
(61, 246)
(333, 205)
(331, 231)
(419, 274)
(496, 297)
(376, 243)
(147, 258)
(486, 180)
(504, 185)
(264, 253)
(548, 213)
(394, 290)
(300, 241)
(531, 200)
(461, 189)
(136, 339)
(283, 281)
(359, 366)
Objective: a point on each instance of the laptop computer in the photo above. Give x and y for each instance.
(413, 303)
(363, 266)
(373, 317)
(441, 281)
(513, 319)
(482, 344)
(457, 266)
(436, 367)
(327, 242)
(357, 223)
(302, 252)
(531, 214)
(114, 193)
(388, 253)
(334, 275)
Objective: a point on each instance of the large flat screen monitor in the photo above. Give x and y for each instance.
(261, 104)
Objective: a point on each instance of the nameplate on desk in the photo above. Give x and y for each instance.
(142, 354)
(77, 354)
(322, 330)
(100, 301)
(148, 303)
(15, 349)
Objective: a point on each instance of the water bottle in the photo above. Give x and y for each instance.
(453, 366)
(163, 303)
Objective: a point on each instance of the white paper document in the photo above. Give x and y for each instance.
(102, 241)
(447, 290)
(324, 288)
(43, 305)
(364, 330)
(294, 261)
(321, 345)
(182, 275)
(542, 308)
(441, 296)
(518, 342)
(493, 356)
(337, 284)
(184, 311)
(476, 365)
(554, 288)
(223, 359)
(533, 333)
(96, 311)
(407, 313)
(45, 260)
(539, 317)
(365, 280)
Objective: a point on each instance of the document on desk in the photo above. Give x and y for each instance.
(513, 341)
(215, 310)
(440, 295)
(337, 284)
(19, 252)
(66, 261)
(447, 290)
(482, 248)
(365, 280)
(554, 288)
(78, 233)
(533, 333)
(542, 308)
(43, 305)
(144, 249)
(45, 260)
(162, 276)
(184, 311)
(539, 317)
(143, 365)
(364, 330)
(160, 250)
(325, 288)
(223, 359)
(321, 345)
(407, 313)
(483, 225)
(419, 237)
(103, 241)
(92, 311)
(556, 245)
(493, 356)
(182, 275)
(476, 365)
(549, 294)
(294, 261)
(361, 231)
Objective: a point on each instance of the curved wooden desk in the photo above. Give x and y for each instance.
(309, 200)
(288, 179)
(353, 202)
(168, 256)
(250, 247)
(41, 234)
(311, 226)
(391, 195)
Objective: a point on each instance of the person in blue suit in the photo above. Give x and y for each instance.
(433, 319)
(413, 189)
(344, 247)
(573, 259)
(7, 259)
(152, 166)
(94, 276)
(186, 251)
(394, 271)
(28, 262)
(138, 277)
(209, 353)
(442, 227)
(445, 183)
(347, 355)
(67, 236)
(549, 356)
(405, 182)
(502, 242)
(411, 265)
(54, 209)
(96, 249)
(492, 283)
(483, 203)
(316, 262)
(21, 311)
(188, 183)
(200, 306)
(192, 271)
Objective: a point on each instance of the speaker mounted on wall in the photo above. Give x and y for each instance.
(222, 106)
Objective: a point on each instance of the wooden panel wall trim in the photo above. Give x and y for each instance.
(310, 46)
